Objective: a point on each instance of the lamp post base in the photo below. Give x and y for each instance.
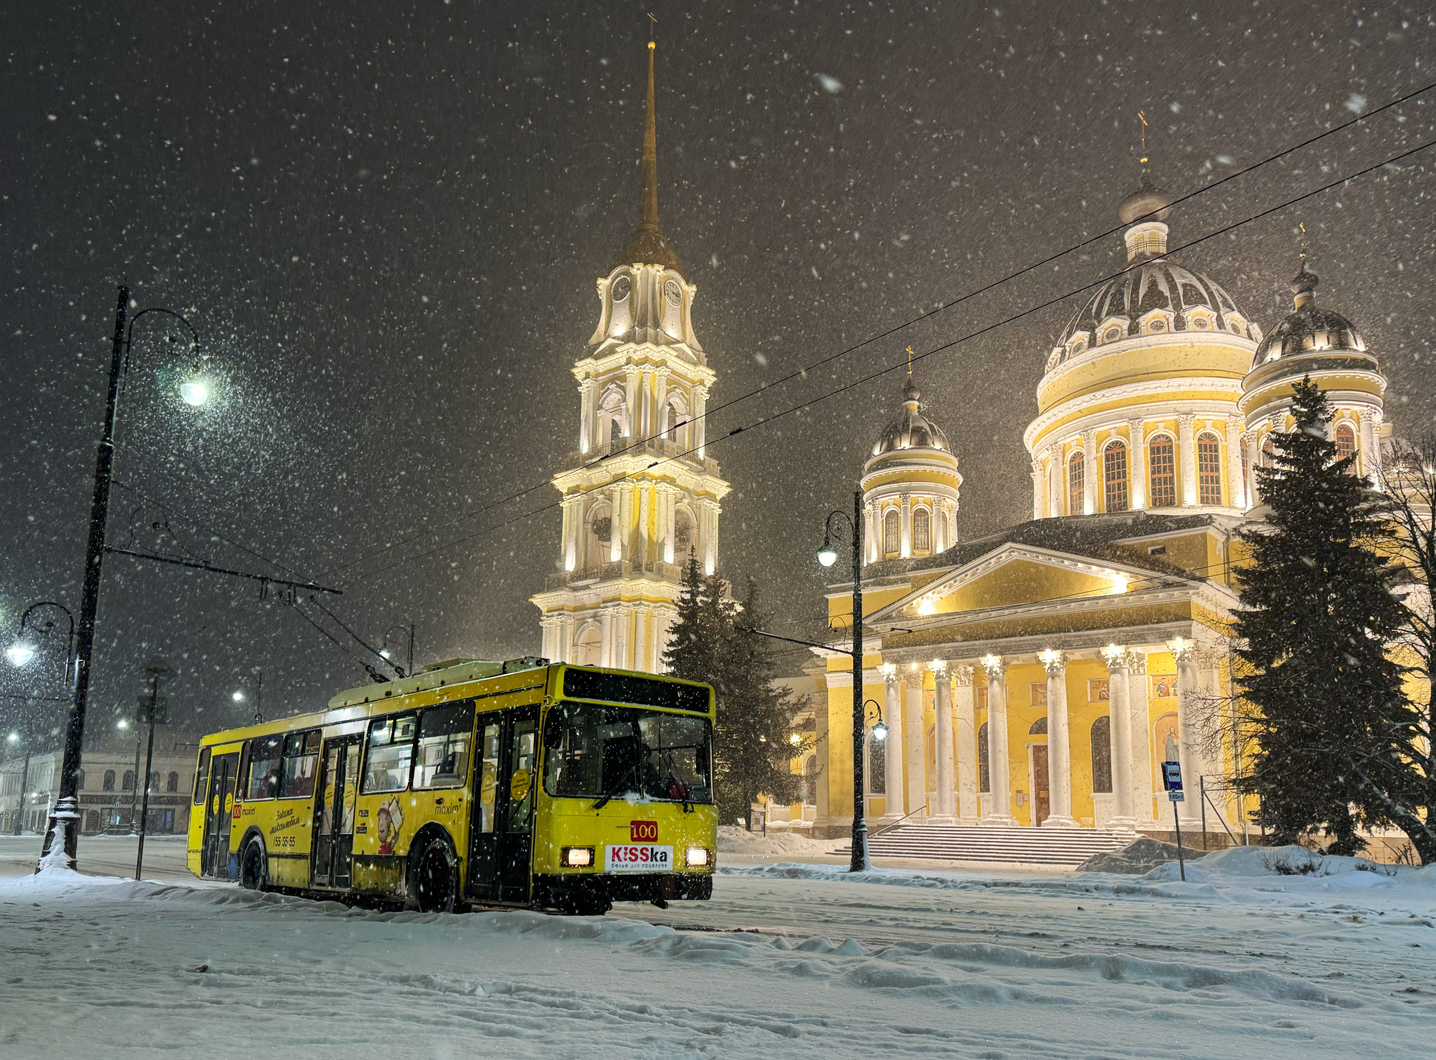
(61, 829)
(860, 862)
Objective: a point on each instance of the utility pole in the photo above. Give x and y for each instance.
(156, 670)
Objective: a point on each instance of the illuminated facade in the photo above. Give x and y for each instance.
(642, 492)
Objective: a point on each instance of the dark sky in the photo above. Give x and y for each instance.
(386, 221)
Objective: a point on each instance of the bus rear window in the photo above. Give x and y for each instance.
(390, 754)
(264, 758)
(301, 762)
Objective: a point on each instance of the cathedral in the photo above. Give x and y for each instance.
(1037, 677)
(642, 491)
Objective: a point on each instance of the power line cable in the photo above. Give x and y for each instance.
(802, 373)
(862, 380)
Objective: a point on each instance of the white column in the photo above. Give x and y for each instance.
(643, 550)
(1039, 486)
(892, 715)
(1186, 431)
(1090, 473)
(999, 800)
(605, 647)
(905, 528)
(1137, 441)
(1140, 734)
(946, 790)
(711, 563)
(1236, 481)
(586, 439)
(660, 398)
(1059, 742)
(1188, 730)
(914, 743)
(633, 399)
(1249, 490)
(615, 523)
(1054, 479)
(966, 710)
(1119, 721)
(1368, 457)
(700, 424)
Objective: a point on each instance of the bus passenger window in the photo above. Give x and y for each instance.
(444, 734)
(301, 762)
(524, 760)
(488, 780)
(264, 755)
(201, 778)
(389, 754)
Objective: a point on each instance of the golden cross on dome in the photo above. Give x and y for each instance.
(1142, 117)
(653, 29)
(909, 362)
(1302, 226)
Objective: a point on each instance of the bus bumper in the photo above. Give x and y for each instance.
(559, 891)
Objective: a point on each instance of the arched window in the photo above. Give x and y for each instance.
(612, 420)
(588, 649)
(921, 531)
(683, 536)
(1102, 754)
(1209, 469)
(600, 525)
(1346, 445)
(1268, 452)
(984, 774)
(1114, 476)
(877, 765)
(1162, 462)
(128, 784)
(1038, 727)
(108, 784)
(675, 412)
(1076, 483)
(172, 782)
(891, 538)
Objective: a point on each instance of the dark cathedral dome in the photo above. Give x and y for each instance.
(911, 429)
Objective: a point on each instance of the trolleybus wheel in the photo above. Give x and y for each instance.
(253, 867)
(435, 878)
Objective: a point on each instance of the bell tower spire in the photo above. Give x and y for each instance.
(647, 245)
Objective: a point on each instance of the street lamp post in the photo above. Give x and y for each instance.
(238, 695)
(827, 556)
(387, 653)
(192, 392)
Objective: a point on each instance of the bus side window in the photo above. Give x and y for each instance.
(301, 762)
(201, 777)
(525, 757)
(389, 754)
(488, 778)
(264, 757)
(443, 759)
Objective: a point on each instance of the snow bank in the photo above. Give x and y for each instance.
(1267, 862)
(1139, 856)
(735, 840)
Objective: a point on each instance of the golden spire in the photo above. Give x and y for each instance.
(647, 244)
(1146, 169)
(1302, 226)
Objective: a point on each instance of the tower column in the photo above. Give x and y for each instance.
(700, 421)
(1059, 742)
(946, 808)
(587, 418)
(1090, 473)
(1120, 734)
(1186, 430)
(1236, 481)
(1137, 440)
(1368, 457)
(893, 713)
(1054, 479)
(999, 799)
(1249, 439)
(905, 527)
(1039, 487)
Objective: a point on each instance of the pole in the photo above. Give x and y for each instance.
(410, 671)
(24, 783)
(860, 861)
(258, 696)
(149, 762)
(67, 803)
(135, 787)
(1202, 793)
(1181, 857)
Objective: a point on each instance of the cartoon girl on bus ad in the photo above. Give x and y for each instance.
(390, 819)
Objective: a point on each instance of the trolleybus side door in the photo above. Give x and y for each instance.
(214, 859)
(334, 819)
(506, 783)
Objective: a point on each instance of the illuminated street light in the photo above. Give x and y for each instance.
(193, 392)
(237, 696)
(22, 651)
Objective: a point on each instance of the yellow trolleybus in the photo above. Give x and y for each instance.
(521, 783)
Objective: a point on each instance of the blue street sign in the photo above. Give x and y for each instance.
(1172, 777)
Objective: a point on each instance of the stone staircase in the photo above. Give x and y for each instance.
(1025, 846)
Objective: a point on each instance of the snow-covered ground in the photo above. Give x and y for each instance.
(788, 960)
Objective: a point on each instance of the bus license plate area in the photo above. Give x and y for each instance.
(637, 857)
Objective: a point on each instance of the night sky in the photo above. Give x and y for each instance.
(386, 222)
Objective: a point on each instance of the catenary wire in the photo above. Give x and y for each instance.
(802, 372)
(862, 380)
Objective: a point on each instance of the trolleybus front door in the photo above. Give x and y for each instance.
(214, 852)
(506, 782)
(334, 821)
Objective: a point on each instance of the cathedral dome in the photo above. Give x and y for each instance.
(1308, 328)
(911, 429)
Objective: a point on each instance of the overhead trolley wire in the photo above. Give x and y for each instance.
(860, 381)
(802, 373)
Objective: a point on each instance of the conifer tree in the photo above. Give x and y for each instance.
(1318, 615)
(753, 744)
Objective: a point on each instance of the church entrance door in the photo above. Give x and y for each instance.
(1041, 792)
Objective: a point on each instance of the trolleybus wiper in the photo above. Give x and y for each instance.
(610, 793)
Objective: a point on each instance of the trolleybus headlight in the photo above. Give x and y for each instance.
(698, 856)
(577, 857)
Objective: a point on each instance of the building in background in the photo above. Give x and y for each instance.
(642, 492)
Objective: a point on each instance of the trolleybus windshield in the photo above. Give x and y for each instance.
(607, 753)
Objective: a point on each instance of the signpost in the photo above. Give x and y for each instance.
(1172, 781)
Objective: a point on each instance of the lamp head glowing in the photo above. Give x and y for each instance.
(880, 732)
(193, 392)
(827, 555)
(237, 696)
(14, 737)
(21, 652)
(122, 724)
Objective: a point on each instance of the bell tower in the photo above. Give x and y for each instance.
(642, 492)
